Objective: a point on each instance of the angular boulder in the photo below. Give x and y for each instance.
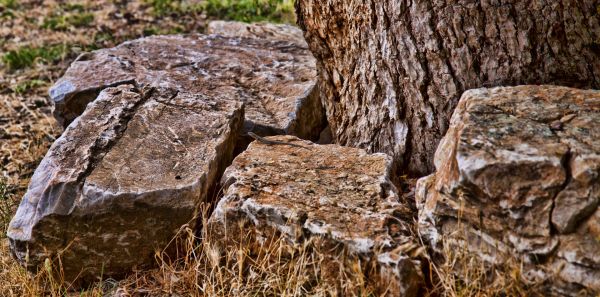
(518, 174)
(339, 197)
(274, 77)
(123, 178)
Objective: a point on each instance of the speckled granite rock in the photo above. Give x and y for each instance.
(338, 195)
(257, 30)
(520, 168)
(123, 178)
(274, 77)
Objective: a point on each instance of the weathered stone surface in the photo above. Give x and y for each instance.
(257, 30)
(520, 169)
(341, 196)
(274, 77)
(392, 71)
(123, 178)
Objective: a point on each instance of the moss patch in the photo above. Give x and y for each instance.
(26, 56)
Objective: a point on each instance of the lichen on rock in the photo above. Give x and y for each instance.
(518, 174)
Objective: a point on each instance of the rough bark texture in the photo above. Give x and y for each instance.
(393, 71)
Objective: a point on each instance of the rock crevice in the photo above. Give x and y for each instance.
(109, 137)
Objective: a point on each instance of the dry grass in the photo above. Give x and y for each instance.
(458, 271)
(205, 268)
(202, 268)
(464, 274)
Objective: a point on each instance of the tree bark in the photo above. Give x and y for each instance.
(392, 71)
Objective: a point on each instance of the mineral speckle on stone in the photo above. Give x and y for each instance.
(341, 195)
(522, 166)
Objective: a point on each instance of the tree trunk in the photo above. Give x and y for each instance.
(392, 71)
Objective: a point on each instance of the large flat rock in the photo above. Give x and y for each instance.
(274, 74)
(337, 196)
(123, 178)
(519, 169)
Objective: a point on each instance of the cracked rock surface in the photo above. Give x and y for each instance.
(518, 173)
(338, 196)
(123, 178)
(273, 74)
